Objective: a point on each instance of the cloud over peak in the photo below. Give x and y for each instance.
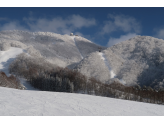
(113, 41)
(121, 23)
(59, 24)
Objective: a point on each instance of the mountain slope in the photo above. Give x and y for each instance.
(62, 50)
(139, 60)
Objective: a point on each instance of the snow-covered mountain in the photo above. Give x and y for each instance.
(136, 61)
(62, 50)
(139, 60)
(39, 103)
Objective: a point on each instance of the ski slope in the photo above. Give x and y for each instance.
(107, 64)
(113, 75)
(77, 47)
(29, 103)
(6, 58)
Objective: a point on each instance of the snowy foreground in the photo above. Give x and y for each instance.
(24, 102)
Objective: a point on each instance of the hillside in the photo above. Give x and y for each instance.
(62, 50)
(136, 61)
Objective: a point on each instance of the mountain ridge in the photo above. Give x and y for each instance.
(56, 48)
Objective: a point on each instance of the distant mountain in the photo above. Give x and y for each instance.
(139, 60)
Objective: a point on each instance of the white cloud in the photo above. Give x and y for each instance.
(113, 41)
(108, 27)
(160, 34)
(77, 21)
(59, 25)
(121, 22)
(13, 25)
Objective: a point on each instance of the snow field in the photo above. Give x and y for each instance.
(39, 103)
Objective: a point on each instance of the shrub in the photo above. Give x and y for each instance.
(5, 46)
(11, 81)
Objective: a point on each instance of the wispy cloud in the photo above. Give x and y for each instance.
(12, 25)
(59, 24)
(159, 33)
(121, 23)
(113, 41)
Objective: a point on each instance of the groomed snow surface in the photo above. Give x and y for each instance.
(24, 102)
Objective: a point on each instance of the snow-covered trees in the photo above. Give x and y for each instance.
(5, 46)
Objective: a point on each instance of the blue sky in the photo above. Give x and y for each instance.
(105, 26)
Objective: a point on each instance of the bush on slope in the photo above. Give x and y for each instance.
(10, 82)
(4, 46)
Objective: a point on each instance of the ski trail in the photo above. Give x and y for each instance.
(78, 48)
(6, 58)
(113, 75)
(107, 64)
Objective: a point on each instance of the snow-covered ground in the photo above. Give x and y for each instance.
(24, 102)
